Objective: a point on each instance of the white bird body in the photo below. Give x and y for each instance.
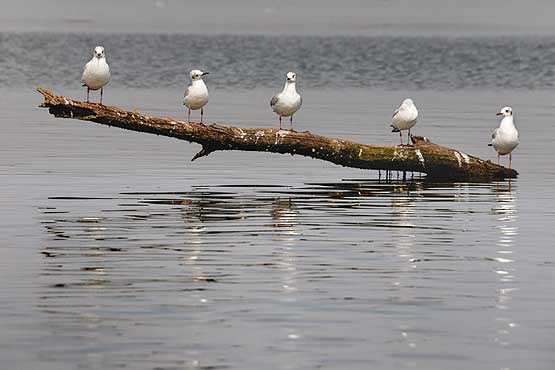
(405, 116)
(505, 138)
(97, 72)
(196, 95)
(288, 101)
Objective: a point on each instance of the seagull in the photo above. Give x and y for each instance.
(404, 118)
(288, 101)
(196, 95)
(96, 73)
(505, 138)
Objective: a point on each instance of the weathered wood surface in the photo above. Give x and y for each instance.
(436, 161)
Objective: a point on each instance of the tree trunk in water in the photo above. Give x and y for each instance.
(436, 161)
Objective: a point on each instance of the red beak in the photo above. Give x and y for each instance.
(499, 114)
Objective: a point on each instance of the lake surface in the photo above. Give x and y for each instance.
(118, 252)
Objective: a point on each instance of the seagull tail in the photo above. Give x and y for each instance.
(84, 85)
(395, 129)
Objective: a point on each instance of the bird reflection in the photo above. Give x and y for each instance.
(403, 214)
(506, 213)
(285, 218)
(285, 222)
(284, 213)
(403, 236)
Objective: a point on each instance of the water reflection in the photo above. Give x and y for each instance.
(403, 217)
(280, 262)
(505, 211)
(285, 216)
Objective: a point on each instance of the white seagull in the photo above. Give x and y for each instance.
(505, 138)
(196, 95)
(288, 101)
(96, 73)
(404, 118)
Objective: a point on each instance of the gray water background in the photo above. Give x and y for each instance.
(118, 252)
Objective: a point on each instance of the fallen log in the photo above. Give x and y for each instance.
(437, 161)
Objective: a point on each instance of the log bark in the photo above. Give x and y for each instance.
(437, 161)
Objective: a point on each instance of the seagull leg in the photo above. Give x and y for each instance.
(189, 116)
(498, 158)
(401, 136)
(510, 160)
(101, 92)
(291, 120)
(408, 138)
(201, 114)
(280, 122)
(88, 91)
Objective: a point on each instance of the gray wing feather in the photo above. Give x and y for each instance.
(186, 94)
(274, 100)
(494, 134)
(83, 74)
(395, 129)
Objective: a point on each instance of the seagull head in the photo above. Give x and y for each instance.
(197, 74)
(99, 52)
(291, 77)
(505, 112)
(408, 102)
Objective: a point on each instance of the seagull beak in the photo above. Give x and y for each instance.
(499, 114)
(205, 73)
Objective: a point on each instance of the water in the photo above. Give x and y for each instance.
(119, 252)
(387, 62)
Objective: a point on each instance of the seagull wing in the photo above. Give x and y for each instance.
(274, 100)
(85, 71)
(187, 92)
(494, 134)
(393, 125)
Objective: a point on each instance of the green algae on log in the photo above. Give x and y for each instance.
(436, 161)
